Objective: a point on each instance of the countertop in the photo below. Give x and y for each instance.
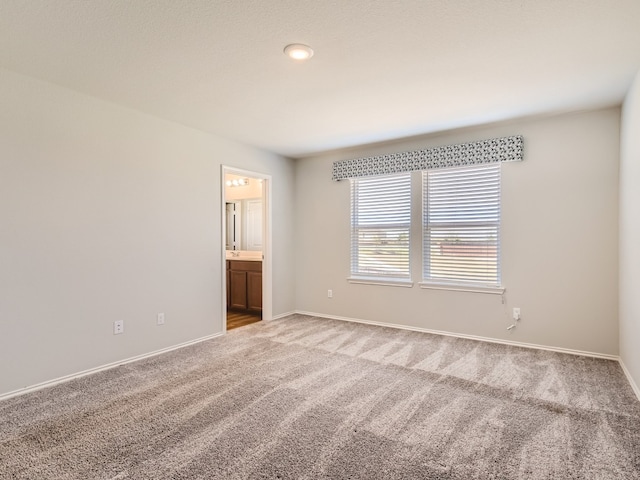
(245, 256)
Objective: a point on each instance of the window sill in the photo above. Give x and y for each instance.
(463, 288)
(388, 282)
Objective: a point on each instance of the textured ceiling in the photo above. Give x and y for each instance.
(382, 69)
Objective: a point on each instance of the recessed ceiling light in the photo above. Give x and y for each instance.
(298, 51)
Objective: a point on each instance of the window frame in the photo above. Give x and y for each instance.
(416, 219)
(404, 225)
(443, 283)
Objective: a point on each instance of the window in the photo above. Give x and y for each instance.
(461, 221)
(381, 228)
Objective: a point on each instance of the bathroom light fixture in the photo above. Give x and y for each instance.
(298, 51)
(237, 182)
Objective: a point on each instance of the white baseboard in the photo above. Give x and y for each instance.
(632, 382)
(282, 315)
(108, 366)
(470, 337)
(66, 378)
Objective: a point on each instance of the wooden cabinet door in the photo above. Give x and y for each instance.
(237, 289)
(254, 291)
(244, 285)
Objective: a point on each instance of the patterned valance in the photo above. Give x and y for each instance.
(505, 149)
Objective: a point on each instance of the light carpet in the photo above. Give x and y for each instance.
(311, 398)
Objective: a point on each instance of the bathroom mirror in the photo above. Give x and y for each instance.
(243, 199)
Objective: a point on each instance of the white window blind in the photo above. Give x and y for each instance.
(381, 226)
(461, 210)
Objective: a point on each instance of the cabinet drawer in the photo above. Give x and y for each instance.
(245, 266)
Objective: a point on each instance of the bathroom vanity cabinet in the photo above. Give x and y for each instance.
(244, 285)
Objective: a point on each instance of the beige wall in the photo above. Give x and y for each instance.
(630, 234)
(109, 214)
(559, 241)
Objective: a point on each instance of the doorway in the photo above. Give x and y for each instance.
(246, 240)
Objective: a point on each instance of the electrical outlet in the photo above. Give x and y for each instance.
(161, 319)
(516, 314)
(330, 293)
(118, 327)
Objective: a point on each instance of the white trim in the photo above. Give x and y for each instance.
(66, 378)
(462, 288)
(91, 371)
(283, 315)
(379, 281)
(632, 382)
(267, 262)
(470, 337)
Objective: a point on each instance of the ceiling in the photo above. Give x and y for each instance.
(382, 70)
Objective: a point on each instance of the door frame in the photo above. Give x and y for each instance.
(236, 223)
(267, 265)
